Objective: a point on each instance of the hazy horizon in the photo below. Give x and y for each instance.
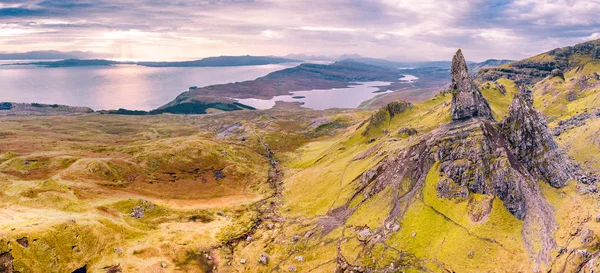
(397, 30)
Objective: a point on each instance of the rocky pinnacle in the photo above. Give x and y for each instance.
(467, 100)
(532, 141)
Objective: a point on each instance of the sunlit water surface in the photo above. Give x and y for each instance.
(113, 87)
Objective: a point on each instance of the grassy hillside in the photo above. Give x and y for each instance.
(295, 190)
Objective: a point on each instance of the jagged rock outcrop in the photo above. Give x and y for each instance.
(533, 143)
(474, 158)
(467, 100)
(474, 154)
(388, 111)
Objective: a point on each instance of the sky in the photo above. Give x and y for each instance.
(401, 30)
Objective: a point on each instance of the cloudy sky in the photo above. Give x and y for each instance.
(397, 29)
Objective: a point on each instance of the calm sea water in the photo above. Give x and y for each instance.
(121, 86)
(350, 97)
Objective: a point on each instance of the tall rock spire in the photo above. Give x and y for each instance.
(533, 144)
(467, 100)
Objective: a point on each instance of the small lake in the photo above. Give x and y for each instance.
(119, 86)
(409, 78)
(350, 97)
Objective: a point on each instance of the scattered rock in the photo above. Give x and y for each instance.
(163, 264)
(501, 88)
(557, 73)
(229, 130)
(270, 226)
(219, 175)
(587, 236)
(364, 234)
(575, 121)
(598, 217)
(295, 238)
(407, 131)
(588, 179)
(562, 251)
(315, 123)
(471, 254)
(249, 238)
(584, 253)
(292, 268)
(138, 212)
(119, 251)
(299, 258)
(467, 100)
(243, 261)
(414, 234)
(571, 95)
(264, 258)
(308, 234)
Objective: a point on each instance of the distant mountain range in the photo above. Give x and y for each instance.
(79, 58)
(51, 55)
(206, 62)
(223, 61)
(473, 66)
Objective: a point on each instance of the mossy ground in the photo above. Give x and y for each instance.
(70, 183)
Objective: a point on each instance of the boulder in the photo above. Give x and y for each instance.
(557, 73)
(138, 212)
(264, 258)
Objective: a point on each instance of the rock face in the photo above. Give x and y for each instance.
(532, 142)
(388, 111)
(474, 158)
(474, 154)
(6, 263)
(467, 100)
